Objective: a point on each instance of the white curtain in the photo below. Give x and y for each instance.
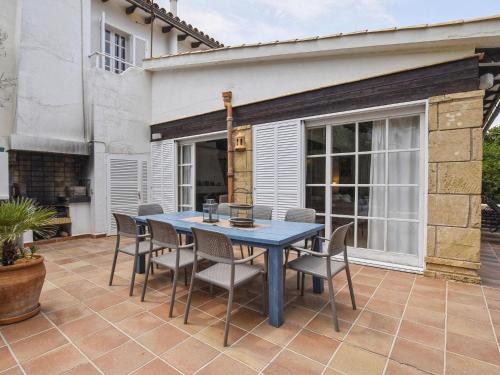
(403, 168)
(376, 206)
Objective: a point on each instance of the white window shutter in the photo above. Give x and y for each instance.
(139, 51)
(144, 182)
(168, 176)
(163, 174)
(278, 166)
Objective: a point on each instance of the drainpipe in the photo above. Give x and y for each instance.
(173, 7)
(227, 96)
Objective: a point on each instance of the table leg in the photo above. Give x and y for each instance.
(141, 264)
(275, 283)
(318, 284)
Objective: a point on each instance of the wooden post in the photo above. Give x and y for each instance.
(227, 96)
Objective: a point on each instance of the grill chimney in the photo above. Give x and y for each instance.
(173, 7)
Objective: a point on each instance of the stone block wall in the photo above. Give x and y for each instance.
(454, 186)
(243, 166)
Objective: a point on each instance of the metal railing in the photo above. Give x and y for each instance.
(100, 58)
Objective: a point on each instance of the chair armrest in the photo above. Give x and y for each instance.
(313, 253)
(144, 235)
(188, 246)
(323, 238)
(248, 259)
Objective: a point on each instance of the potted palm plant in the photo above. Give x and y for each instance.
(22, 271)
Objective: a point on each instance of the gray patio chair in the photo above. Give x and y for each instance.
(127, 227)
(164, 235)
(149, 209)
(227, 272)
(299, 215)
(260, 212)
(323, 266)
(223, 209)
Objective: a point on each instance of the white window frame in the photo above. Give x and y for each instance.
(117, 64)
(367, 114)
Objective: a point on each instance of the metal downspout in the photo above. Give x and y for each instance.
(227, 96)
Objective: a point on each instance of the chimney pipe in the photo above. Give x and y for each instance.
(227, 96)
(173, 7)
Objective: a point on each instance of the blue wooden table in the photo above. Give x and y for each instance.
(274, 236)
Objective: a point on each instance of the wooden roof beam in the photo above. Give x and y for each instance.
(131, 9)
(148, 20)
(195, 44)
(166, 29)
(182, 37)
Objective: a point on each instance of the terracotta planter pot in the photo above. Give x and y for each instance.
(20, 288)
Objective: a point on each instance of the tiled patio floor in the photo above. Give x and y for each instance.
(405, 324)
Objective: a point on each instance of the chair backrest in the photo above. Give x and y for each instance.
(149, 209)
(126, 225)
(163, 234)
(213, 246)
(223, 209)
(262, 212)
(338, 240)
(301, 215)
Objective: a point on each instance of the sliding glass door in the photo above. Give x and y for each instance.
(369, 172)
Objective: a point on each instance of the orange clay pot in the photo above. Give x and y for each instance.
(20, 288)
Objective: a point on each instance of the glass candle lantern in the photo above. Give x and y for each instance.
(210, 214)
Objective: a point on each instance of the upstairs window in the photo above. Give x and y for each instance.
(115, 48)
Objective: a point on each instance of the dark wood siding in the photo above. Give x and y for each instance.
(422, 83)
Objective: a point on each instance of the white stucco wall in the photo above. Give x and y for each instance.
(179, 93)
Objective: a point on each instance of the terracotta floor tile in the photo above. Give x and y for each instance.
(367, 280)
(247, 319)
(139, 324)
(492, 293)
(57, 361)
(155, 367)
(226, 365)
(298, 315)
(391, 295)
(486, 351)
(6, 359)
(460, 365)
(197, 321)
(356, 361)
(469, 311)
(199, 298)
(279, 336)
(419, 356)
(13, 371)
(121, 311)
(430, 282)
(373, 271)
(378, 322)
(370, 339)
(323, 325)
(162, 338)
(38, 344)
(104, 301)
(79, 328)
(214, 335)
(493, 304)
(432, 304)
(181, 357)
(83, 369)
(68, 314)
(429, 292)
(466, 299)
(396, 368)
(161, 311)
(364, 289)
(344, 312)
(124, 359)
(387, 308)
(253, 351)
(464, 288)
(422, 334)
(217, 307)
(101, 342)
(317, 347)
(424, 316)
(344, 297)
(288, 362)
(469, 327)
(18, 331)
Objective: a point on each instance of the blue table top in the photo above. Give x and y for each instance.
(273, 233)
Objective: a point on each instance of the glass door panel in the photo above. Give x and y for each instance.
(185, 174)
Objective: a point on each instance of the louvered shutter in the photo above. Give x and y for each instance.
(163, 174)
(168, 177)
(123, 188)
(277, 166)
(144, 182)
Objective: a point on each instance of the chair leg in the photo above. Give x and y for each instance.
(351, 289)
(298, 273)
(113, 267)
(148, 268)
(228, 315)
(241, 251)
(303, 283)
(132, 282)
(172, 297)
(190, 294)
(331, 294)
(285, 266)
(185, 276)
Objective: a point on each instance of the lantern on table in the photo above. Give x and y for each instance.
(210, 214)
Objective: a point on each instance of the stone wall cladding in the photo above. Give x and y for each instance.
(454, 186)
(243, 166)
